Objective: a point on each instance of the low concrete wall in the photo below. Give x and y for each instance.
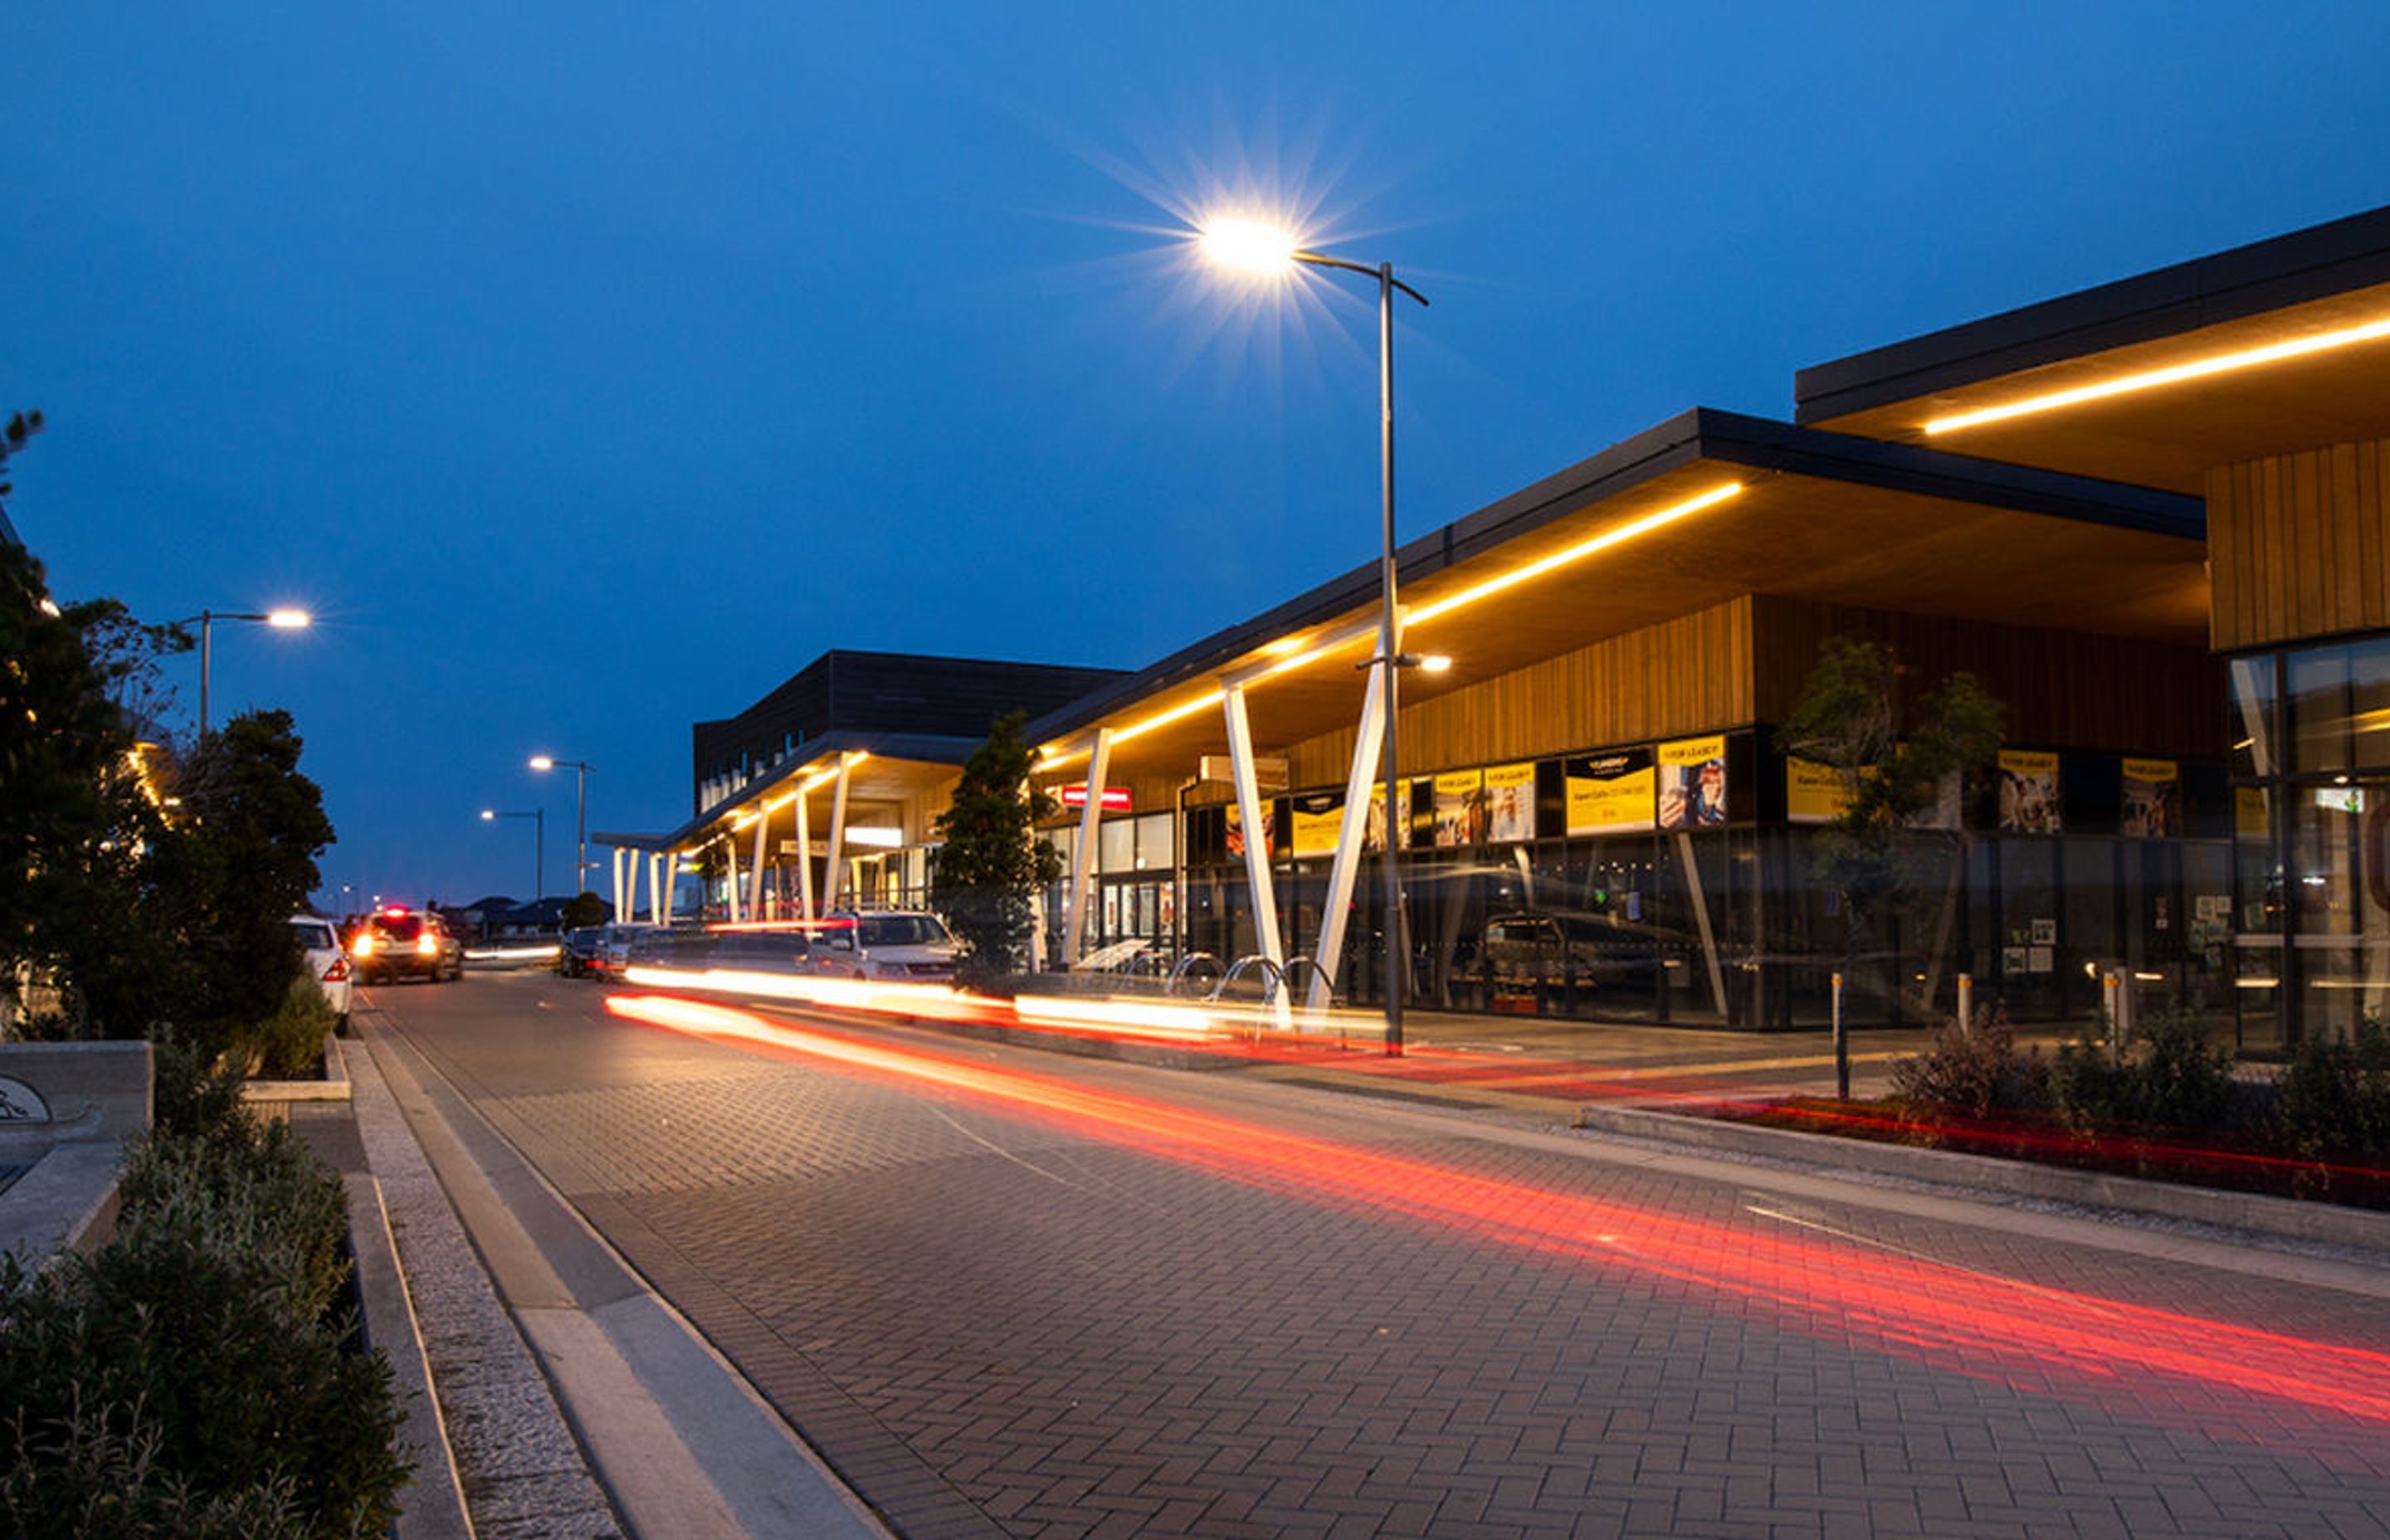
(66, 1109)
(271, 1099)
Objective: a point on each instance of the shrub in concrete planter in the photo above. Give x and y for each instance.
(190, 1376)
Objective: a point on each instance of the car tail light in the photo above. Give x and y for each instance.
(427, 946)
(364, 945)
(339, 972)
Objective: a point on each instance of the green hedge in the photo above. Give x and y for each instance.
(192, 1377)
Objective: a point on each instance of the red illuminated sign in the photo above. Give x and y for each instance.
(1115, 796)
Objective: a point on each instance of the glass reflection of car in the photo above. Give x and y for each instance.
(1539, 950)
(884, 943)
(402, 943)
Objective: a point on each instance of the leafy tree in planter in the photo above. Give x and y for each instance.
(585, 910)
(985, 876)
(1893, 772)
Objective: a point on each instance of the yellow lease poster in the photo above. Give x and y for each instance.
(2250, 819)
(1460, 809)
(2153, 798)
(2029, 801)
(1612, 793)
(1814, 793)
(1510, 801)
(1692, 783)
(1318, 819)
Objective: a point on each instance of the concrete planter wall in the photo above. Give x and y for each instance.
(272, 1099)
(66, 1109)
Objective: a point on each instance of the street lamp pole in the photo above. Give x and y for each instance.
(539, 845)
(581, 813)
(1264, 249)
(281, 619)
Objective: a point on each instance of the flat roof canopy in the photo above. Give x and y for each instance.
(893, 769)
(2270, 348)
(1649, 530)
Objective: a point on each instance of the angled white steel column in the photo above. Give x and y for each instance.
(832, 877)
(619, 909)
(1351, 835)
(1249, 810)
(730, 878)
(672, 881)
(656, 912)
(804, 858)
(1083, 855)
(755, 871)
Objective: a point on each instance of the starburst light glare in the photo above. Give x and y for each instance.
(1249, 245)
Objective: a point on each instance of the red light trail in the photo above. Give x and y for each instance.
(1978, 1323)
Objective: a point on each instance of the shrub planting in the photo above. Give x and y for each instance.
(2167, 1074)
(2333, 1096)
(192, 1375)
(1974, 1067)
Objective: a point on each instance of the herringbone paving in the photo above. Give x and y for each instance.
(997, 1325)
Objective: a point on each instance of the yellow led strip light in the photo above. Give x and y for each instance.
(2198, 368)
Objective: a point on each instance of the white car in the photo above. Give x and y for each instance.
(327, 964)
(884, 943)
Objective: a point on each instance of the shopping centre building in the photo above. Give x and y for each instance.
(2148, 517)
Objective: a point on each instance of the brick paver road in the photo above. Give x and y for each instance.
(1105, 1301)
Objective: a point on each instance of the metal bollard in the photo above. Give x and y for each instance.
(1967, 1001)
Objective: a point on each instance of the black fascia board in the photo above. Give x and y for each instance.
(2314, 263)
(1700, 433)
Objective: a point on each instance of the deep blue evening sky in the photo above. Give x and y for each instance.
(589, 368)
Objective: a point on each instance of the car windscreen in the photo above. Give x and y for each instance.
(897, 930)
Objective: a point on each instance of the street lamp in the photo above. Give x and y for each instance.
(1255, 246)
(580, 817)
(281, 619)
(538, 848)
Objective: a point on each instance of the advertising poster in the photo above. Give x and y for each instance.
(1692, 783)
(1814, 793)
(1373, 834)
(2029, 792)
(2250, 818)
(1612, 794)
(1510, 801)
(1237, 827)
(1318, 819)
(1460, 809)
(2153, 798)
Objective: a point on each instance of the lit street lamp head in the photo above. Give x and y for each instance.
(541, 762)
(289, 619)
(1249, 245)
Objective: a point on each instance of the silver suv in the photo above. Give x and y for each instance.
(884, 944)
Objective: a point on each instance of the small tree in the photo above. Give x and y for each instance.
(585, 909)
(985, 876)
(1893, 772)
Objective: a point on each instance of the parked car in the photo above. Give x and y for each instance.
(883, 943)
(405, 944)
(327, 963)
(573, 958)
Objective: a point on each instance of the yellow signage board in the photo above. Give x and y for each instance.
(1814, 793)
(1612, 793)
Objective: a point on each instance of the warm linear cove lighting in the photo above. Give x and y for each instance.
(1052, 758)
(2198, 368)
(1583, 548)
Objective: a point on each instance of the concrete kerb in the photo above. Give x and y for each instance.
(434, 1503)
(2288, 1219)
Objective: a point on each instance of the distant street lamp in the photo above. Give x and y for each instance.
(580, 818)
(539, 845)
(281, 619)
(1253, 246)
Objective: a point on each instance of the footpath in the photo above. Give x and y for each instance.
(553, 1392)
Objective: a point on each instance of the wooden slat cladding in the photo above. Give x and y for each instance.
(1686, 675)
(2297, 545)
(2062, 689)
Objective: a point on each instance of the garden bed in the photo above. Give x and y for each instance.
(2185, 1157)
